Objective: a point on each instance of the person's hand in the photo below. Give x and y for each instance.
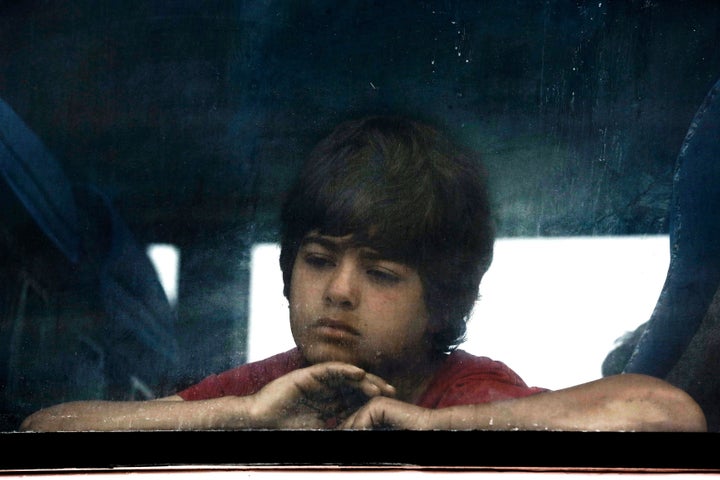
(316, 396)
(382, 413)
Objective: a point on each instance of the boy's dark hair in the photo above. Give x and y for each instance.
(404, 189)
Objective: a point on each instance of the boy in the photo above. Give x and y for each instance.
(385, 238)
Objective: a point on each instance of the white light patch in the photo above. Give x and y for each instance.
(550, 308)
(268, 320)
(166, 259)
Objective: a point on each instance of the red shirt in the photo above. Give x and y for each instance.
(463, 379)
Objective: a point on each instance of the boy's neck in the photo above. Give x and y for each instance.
(414, 379)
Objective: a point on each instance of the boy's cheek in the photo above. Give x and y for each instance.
(302, 313)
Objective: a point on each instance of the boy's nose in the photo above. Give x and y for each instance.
(342, 288)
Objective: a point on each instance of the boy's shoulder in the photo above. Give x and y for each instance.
(465, 378)
(245, 379)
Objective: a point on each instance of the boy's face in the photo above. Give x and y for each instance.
(349, 304)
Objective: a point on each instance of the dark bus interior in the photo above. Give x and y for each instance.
(130, 123)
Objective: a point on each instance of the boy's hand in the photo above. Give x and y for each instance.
(316, 396)
(390, 414)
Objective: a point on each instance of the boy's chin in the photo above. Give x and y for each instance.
(330, 353)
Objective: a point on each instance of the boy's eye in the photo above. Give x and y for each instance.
(383, 276)
(318, 261)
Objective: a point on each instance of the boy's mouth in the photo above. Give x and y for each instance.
(335, 328)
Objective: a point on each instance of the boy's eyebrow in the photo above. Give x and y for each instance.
(325, 242)
(336, 244)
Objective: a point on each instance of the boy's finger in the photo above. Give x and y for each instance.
(373, 388)
(370, 384)
(335, 374)
(385, 388)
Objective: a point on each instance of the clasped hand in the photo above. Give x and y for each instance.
(325, 395)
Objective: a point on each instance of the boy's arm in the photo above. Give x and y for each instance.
(304, 398)
(161, 414)
(627, 402)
